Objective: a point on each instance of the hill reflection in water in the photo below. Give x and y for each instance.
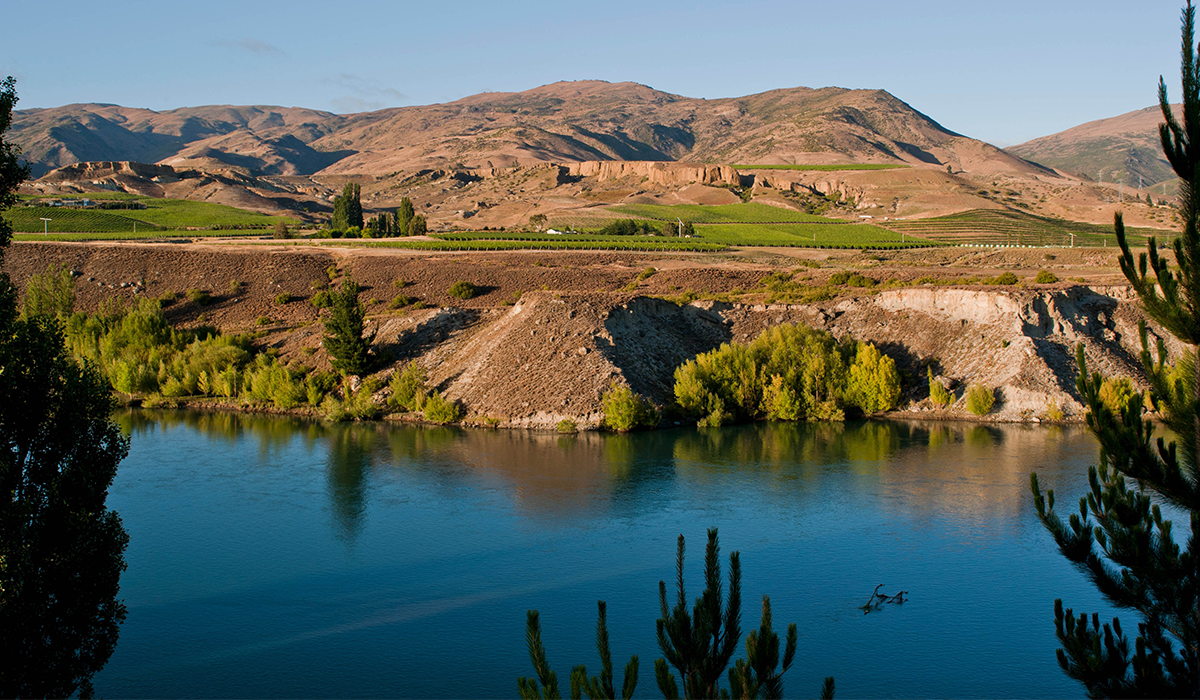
(279, 557)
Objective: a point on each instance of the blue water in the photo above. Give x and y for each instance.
(273, 557)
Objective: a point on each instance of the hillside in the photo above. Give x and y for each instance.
(568, 121)
(1125, 149)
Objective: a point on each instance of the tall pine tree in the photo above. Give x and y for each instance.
(1119, 538)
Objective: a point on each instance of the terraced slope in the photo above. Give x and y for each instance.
(1012, 227)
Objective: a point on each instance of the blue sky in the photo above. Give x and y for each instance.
(1004, 72)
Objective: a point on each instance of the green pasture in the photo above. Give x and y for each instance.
(1012, 227)
(751, 212)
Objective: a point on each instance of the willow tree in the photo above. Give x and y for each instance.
(1119, 537)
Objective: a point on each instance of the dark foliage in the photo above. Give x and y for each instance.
(345, 335)
(61, 549)
(1119, 538)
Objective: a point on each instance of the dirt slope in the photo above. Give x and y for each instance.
(576, 327)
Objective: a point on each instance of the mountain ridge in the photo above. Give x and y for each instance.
(559, 122)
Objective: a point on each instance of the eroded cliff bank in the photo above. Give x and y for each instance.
(552, 331)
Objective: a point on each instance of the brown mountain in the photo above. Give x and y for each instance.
(1119, 149)
(570, 121)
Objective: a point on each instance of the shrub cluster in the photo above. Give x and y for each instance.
(938, 394)
(463, 290)
(790, 372)
(980, 399)
(411, 393)
(625, 410)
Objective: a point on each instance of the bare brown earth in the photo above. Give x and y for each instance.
(552, 331)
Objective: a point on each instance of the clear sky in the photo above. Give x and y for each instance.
(1004, 71)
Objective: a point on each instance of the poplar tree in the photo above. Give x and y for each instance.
(347, 208)
(1119, 537)
(404, 214)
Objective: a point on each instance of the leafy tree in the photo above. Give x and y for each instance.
(281, 230)
(1119, 537)
(538, 221)
(874, 383)
(404, 214)
(417, 226)
(61, 549)
(347, 208)
(345, 335)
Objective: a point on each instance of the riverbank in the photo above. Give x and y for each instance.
(550, 332)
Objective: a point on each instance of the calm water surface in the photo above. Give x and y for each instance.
(279, 558)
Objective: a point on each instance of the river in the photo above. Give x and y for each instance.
(273, 557)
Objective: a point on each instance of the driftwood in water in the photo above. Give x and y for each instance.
(877, 599)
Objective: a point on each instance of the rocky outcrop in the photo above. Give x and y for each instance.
(100, 170)
(658, 172)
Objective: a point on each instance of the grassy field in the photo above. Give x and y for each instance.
(824, 168)
(1010, 227)
(808, 236)
(159, 213)
(751, 213)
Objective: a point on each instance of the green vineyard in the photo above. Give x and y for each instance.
(809, 236)
(1015, 228)
(752, 213)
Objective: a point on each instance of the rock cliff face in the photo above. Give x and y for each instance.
(658, 172)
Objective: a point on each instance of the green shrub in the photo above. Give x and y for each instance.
(787, 373)
(1046, 277)
(873, 383)
(49, 294)
(624, 410)
(1006, 279)
(332, 272)
(938, 395)
(263, 320)
(645, 274)
(1116, 392)
(321, 299)
(283, 298)
(236, 287)
(440, 410)
(980, 399)
(199, 297)
(269, 381)
(566, 425)
(463, 290)
(1054, 412)
(420, 304)
(400, 301)
(409, 391)
(318, 385)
